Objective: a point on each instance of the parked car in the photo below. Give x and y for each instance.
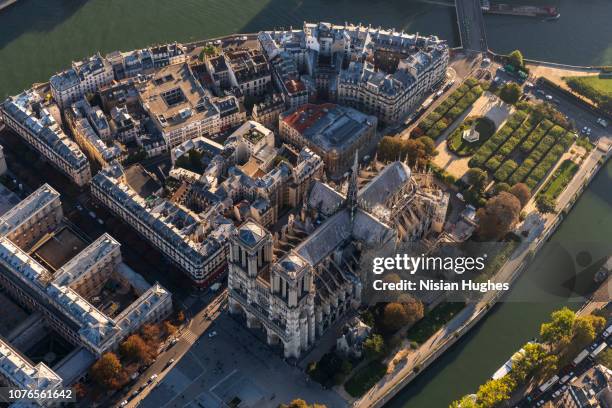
(123, 403)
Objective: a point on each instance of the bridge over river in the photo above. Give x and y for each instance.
(470, 21)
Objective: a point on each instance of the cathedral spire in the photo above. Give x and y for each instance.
(351, 195)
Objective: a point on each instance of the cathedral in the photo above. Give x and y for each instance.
(295, 283)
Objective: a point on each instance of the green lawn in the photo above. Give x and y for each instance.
(603, 85)
(596, 88)
(485, 128)
(365, 378)
(562, 177)
(433, 321)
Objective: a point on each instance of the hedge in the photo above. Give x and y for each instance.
(495, 141)
(505, 170)
(436, 129)
(536, 136)
(553, 155)
(494, 162)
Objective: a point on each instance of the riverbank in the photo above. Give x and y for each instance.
(439, 343)
(5, 3)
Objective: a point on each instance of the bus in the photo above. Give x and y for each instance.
(599, 349)
(580, 357)
(549, 383)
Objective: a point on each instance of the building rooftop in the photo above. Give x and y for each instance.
(25, 209)
(329, 126)
(27, 109)
(175, 98)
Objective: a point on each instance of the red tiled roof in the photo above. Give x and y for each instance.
(306, 115)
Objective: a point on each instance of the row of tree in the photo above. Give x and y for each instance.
(109, 371)
(418, 151)
(561, 339)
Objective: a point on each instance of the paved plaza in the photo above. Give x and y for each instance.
(235, 368)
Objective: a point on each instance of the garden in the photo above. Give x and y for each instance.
(560, 179)
(524, 149)
(461, 147)
(436, 122)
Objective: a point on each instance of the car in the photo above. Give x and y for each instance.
(100, 221)
(174, 341)
(171, 361)
(92, 214)
(78, 207)
(123, 403)
(135, 393)
(142, 387)
(212, 334)
(153, 377)
(549, 97)
(540, 403)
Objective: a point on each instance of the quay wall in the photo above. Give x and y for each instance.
(482, 309)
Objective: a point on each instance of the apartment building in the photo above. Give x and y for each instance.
(198, 247)
(29, 116)
(84, 77)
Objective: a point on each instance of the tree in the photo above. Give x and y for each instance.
(510, 93)
(546, 204)
(134, 348)
(180, 317)
(374, 346)
(169, 328)
(605, 358)
(395, 316)
(467, 401)
(494, 392)
(584, 333)
(498, 216)
(533, 360)
(499, 187)
(106, 370)
(560, 327)
(522, 192)
(149, 332)
(300, 403)
(586, 329)
(399, 314)
(477, 178)
(516, 58)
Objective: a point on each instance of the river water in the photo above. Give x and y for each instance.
(40, 37)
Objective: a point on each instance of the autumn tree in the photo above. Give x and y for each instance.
(533, 360)
(560, 328)
(522, 192)
(498, 216)
(107, 370)
(397, 315)
(149, 332)
(180, 316)
(134, 348)
(300, 403)
(585, 330)
(467, 401)
(169, 328)
(494, 392)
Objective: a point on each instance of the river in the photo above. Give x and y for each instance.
(40, 37)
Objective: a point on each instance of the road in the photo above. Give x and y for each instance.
(196, 326)
(567, 374)
(471, 25)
